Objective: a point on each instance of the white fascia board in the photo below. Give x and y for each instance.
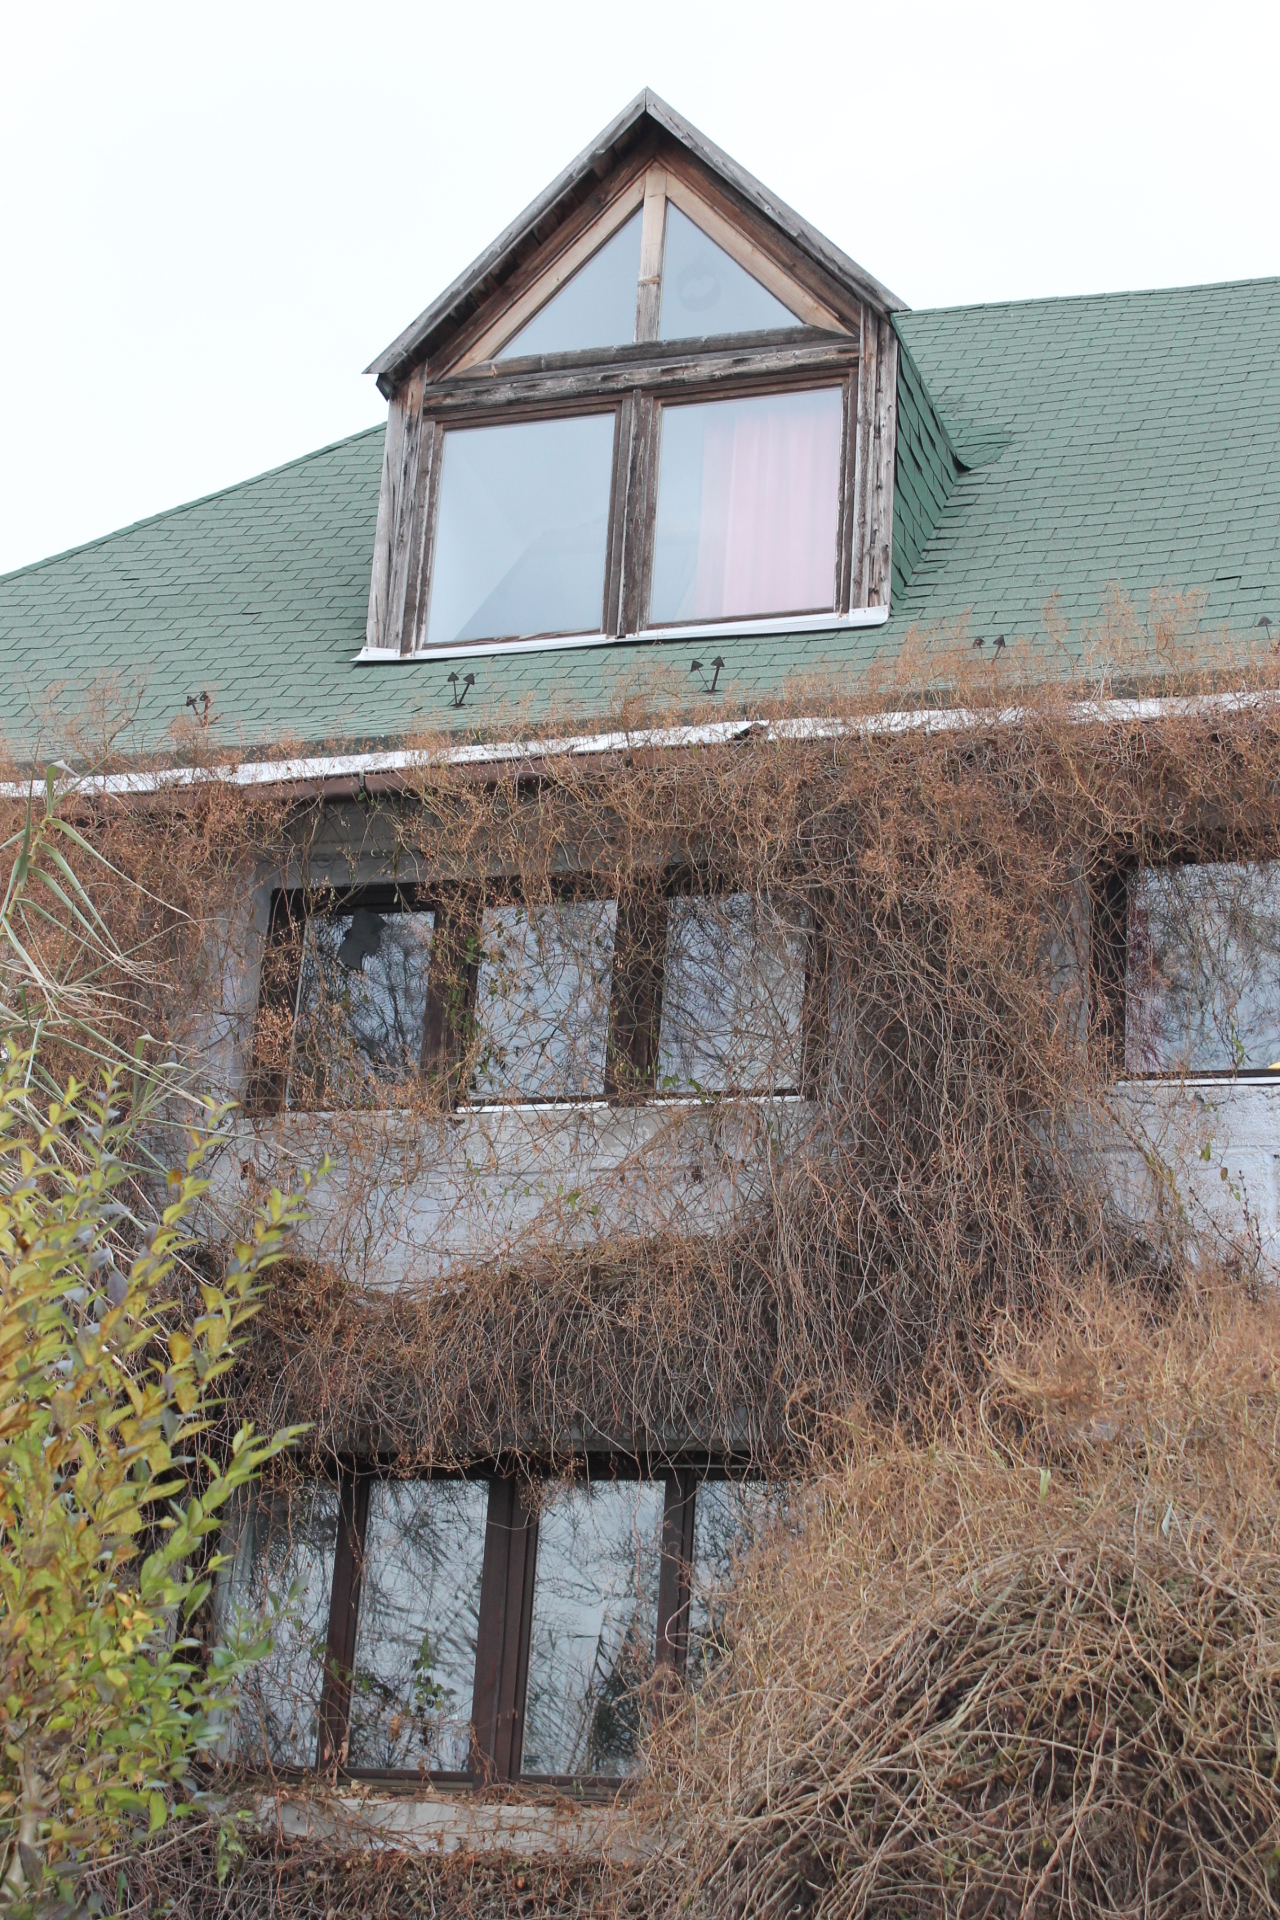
(353, 766)
(567, 642)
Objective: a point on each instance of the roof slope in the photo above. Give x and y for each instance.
(1132, 438)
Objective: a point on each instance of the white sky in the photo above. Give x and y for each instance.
(211, 218)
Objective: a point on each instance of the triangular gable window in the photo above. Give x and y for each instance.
(705, 292)
(596, 308)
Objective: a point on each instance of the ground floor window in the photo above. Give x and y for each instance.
(491, 1626)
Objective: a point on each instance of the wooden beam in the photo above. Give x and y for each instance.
(582, 378)
(649, 294)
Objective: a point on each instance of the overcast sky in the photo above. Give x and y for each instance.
(211, 218)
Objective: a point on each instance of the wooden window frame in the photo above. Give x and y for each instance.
(635, 995)
(635, 384)
(508, 1581)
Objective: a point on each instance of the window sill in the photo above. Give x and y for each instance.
(475, 1109)
(781, 624)
(1209, 1077)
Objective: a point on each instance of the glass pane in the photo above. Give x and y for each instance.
(542, 1000)
(1203, 989)
(596, 308)
(419, 1616)
(521, 537)
(362, 999)
(285, 1547)
(732, 998)
(704, 291)
(748, 500)
(595, 1627)
(728, 1518)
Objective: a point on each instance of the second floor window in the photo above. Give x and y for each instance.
(368, 1000)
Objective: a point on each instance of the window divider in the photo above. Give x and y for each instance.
(816, 1007)
(344, 1605)
(452, 971)
(674, 1583)
(279, 973)
(506, 1617)
(635, 996)
(1109, 962)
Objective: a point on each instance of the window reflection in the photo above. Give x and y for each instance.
(704, 291)
(284, 1553)
(728, 1518)
(595, 1612)
(418, 1622)
(362, 996)
(522, 534)
(1203, 988)
(748, 502)
(732, 998)
(595, 308)
(542, 1000)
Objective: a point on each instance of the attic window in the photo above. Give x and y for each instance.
(523, 528)
(748, 504)
(705, 292)
(596, 308)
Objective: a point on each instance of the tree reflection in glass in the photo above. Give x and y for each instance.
(732, 998)
(594, 1633)
(542, 1000)
(1203, 990)
(283, 1554)
(728, 1517)
(362, 999)
(419, 1616)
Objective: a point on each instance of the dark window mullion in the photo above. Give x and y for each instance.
(502, 1649)
(635, 996)
(673, 1578)
(815, 1016)
(1109, 963)
(452, 969)
(344, 1606)
(278, 977)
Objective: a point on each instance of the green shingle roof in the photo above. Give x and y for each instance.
(1045, 446)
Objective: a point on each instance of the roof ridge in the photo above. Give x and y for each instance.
(186, 506)
(1085, 299)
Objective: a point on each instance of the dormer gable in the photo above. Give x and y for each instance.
(659, 402)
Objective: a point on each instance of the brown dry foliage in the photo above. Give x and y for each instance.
(948, 1692)
(1028, 1665)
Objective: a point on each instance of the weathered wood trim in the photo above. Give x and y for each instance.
(873, 485)
(637, 530)
(617, 507)
(420, 531)
(344, 1605)
(652, 234)
(394, 558)
(571, 378)
(549, 279)
(848, 474)
(746, 249)
(880, 530)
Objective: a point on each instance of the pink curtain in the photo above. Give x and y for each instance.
(770, 494)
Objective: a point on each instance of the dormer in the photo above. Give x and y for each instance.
(660, 404)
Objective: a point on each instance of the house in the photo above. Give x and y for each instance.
(660, 427)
